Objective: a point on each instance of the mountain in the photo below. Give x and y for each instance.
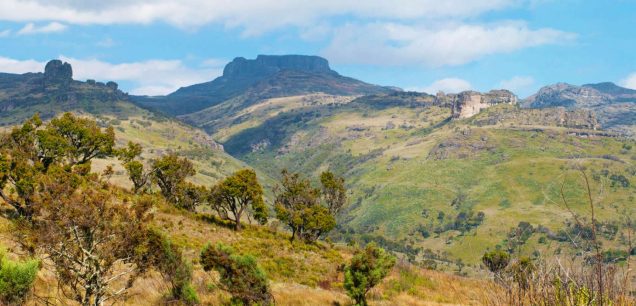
(267, 76)
(614, 106)
(54, 91)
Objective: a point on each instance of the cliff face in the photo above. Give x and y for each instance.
(469, 103)
(265, 65)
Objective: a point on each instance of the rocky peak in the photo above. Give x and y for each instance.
(265, 65)
(56, 71)
(566, 95)
(469, 103)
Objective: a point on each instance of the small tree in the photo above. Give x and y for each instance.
(135, 168)
(169, 172)
(77, 140)
(240, 275)
(29, 151)
(239, 193)
(309, 212)
(496, 261)
(16, 279)
(333, 191)
(366, 270)
(91, 238)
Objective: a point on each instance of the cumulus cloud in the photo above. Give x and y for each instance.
(434, 46)
(152, 77)
(254, 16)
(447, 85)
(31, 28)
(629, 81)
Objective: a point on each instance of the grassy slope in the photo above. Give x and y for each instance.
(300, 274)
(401, 178)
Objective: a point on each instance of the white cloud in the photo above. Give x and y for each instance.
(434, 46)
(152, 77)
(5, 33)
(517, 83)
(447, 85)
(629, 81)
(31, 28)
(253, 16)
(9, 65)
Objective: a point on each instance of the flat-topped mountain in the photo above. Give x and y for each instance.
(267, 76)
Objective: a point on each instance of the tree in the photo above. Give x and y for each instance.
(189, 196)
(135, 168)
(366, 270)
(76, 140)
(496, 261)
(240, 275)
(236, 194)
(299, 205)
(170, 172)
(16, 279)
(29, 151)
(91, 237)
(333, 191)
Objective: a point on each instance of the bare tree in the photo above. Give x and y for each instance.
(91, 238)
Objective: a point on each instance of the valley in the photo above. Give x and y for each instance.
(438, 180)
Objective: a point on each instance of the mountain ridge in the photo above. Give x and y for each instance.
(267, 76)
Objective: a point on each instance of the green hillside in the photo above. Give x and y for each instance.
(440, 189)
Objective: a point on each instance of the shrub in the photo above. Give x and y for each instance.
(240, 275)
(168, 260)
(367, 269)
(496, 261)
(16, 279)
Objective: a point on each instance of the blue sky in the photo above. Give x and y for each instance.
(156, 46)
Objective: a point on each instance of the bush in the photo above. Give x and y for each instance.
(367, 269)
(240, 275)
(16, 279)
(496, 261)
(168, 260)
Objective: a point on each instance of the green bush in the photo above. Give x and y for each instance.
(240, 275)
(16, 279)
(367, 269)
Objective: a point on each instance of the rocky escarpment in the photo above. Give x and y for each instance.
(614, 106)
(265, 65)
(469, 103)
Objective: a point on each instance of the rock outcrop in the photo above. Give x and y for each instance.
(469, 103)
(614, 106)
(265, 65)
(58, 73)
